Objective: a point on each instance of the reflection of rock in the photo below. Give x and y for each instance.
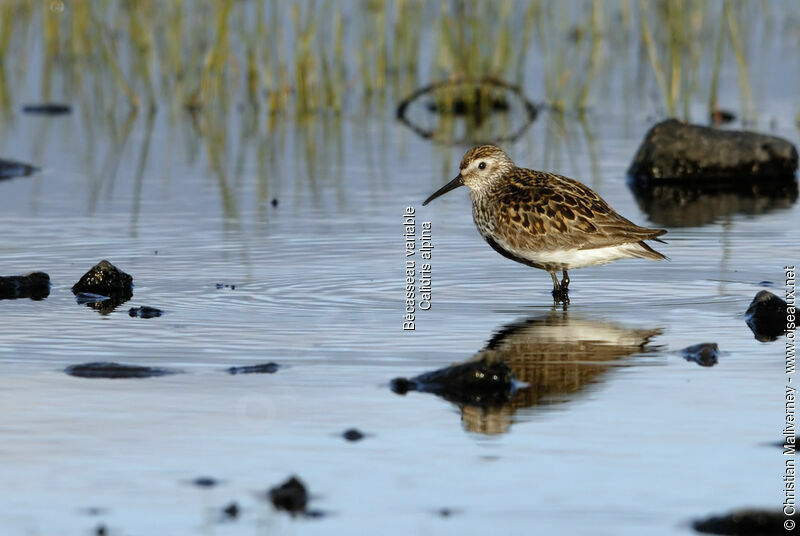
(694, 204)
(102, 369)
(704, 354)
(35, 286)
(552, 359)
(674, 150)
(47, 108)
(744, 523)
(468, 111)
(102, 304)
(766, 316)
(9, 169)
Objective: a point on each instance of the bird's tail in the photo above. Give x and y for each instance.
(641, 250)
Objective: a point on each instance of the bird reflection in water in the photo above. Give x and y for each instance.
(533, 362)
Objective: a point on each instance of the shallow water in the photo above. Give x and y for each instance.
(626, 438)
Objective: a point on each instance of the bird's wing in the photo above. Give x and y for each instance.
(543, 211)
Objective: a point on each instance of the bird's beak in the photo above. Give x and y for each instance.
(452, 185)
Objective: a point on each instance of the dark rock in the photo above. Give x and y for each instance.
(744, 523)
(48, 108)
(290, 496)
(673, 150)
(263, 368)
(10, 169)
(144, 312)
(205, 482)
(478, 383)
(105, 279)
(689, 204)
(231, 511)
(766, 316)
(35, 285)
(104, 369)
(353, 434)
(704, 354)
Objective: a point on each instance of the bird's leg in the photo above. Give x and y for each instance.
(565, 281)
(556, 285)
(559, 290)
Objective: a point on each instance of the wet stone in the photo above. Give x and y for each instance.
(47, 108)
(353, 434)
(766, 316)
(105, 279)
(674, 150)
(10, 169)
(477, 383)
(743, 523)
(144, 312)
(704, 354)
(291, 496)
(104, 369)
(35, 285)
(263, 368)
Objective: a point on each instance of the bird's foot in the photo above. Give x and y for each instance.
(560, 296)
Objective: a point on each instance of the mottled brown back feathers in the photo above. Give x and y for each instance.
(535, 210)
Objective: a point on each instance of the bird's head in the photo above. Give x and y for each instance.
(481, 167)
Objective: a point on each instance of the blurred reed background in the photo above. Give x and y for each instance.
(270, 81)
(319, 56)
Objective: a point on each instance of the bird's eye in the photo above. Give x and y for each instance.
(482, 165)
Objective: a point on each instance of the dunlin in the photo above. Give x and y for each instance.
(544, 220)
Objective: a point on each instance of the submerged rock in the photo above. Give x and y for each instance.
(35, 285)
(290, 496)
(353, 434)
(47, 108)
(105, 369)
(744, 523)
(205, 482)
(674, 150)
(144, 312)
(10, 169)
(263, 368)
(766, 316)
(704, 354)
(105, 279)
(481, 382)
